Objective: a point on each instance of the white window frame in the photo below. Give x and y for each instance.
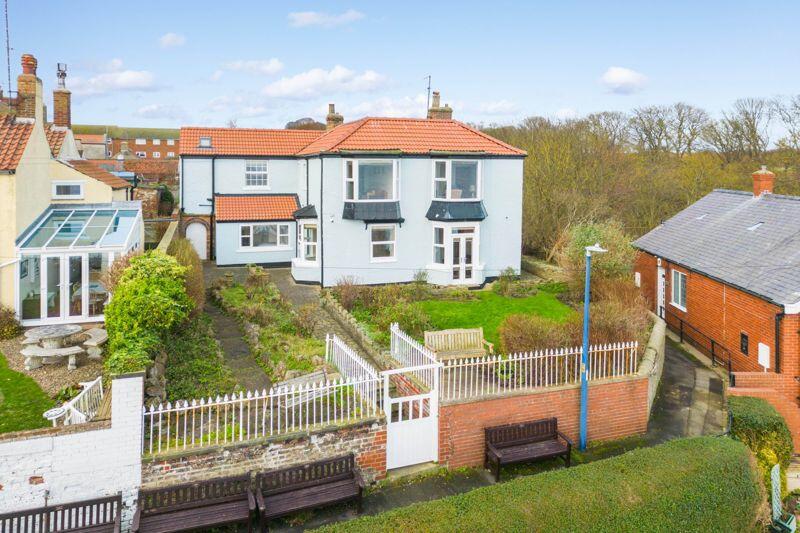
(204, 142)
(141, 142)
(355, 180)
(170, 142)
(393, 242)
(449, 180)
(449, 262)
(443, 245)
(249, 173)
(141, 155)
(156, 142)
(56, 196)
(675, 295)
(302, 242)
(281, 232)
(156, 155)
(170, 154)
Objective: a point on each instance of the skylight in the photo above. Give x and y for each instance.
(755, 226)
(701, 217)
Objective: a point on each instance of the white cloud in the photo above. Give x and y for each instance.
(566, 113)
(302, 19)
(239, 106)
(254, 66)
(217, 75)
(171, 40)
(161, 111)
(621, 80)
(498, 107)
(319, 81)
(406, 106)
(113, 78)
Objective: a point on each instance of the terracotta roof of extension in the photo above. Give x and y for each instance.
(13, 139)
(410, 136)
(55, 138)
(243, 208)
(93, 170)
(245, 141)
(90, 138)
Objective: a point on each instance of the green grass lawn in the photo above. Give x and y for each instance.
(489, 310)
(22, 402)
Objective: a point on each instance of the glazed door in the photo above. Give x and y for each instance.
(463, 249)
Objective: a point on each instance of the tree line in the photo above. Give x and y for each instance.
(642, 167)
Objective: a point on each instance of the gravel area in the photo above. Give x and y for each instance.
(51, 378)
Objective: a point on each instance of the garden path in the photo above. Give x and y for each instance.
(237, 354)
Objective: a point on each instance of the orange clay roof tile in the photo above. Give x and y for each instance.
(94, 170)
(55, 138)
(245, 141)
(256, 207)
(13, 139)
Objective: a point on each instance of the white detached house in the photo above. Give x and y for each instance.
(376, 200)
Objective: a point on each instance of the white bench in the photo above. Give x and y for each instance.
(35, 356)
(97, 338)
(456, 343)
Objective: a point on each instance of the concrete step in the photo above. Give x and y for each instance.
(412, 470)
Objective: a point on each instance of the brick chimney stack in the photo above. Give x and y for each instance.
(437, 110)
(29, 89)
(333, 119)
(763, 181)
(62, 99)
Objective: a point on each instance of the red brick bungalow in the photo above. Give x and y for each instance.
(725, 272)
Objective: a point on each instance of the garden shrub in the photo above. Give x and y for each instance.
(114, 272)
(132, 354)
(9, 325)
(503, 284)
(257, 277)
(347, 292)
(183, 251)
(523, 333)
(306, 319)
(409, 315)
(756, 423)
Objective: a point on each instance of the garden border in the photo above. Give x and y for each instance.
(345, 319)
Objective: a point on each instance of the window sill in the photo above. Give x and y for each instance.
(264, 249)
(383, 260)
(256, 188)
(679, 307)
(457, 199)
(374, 201)
(67, 197)
(304, 263)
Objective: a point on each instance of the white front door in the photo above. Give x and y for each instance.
(464, 249)
(661, 291)
(197, 234)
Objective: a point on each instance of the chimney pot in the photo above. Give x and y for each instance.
(763, 181)
(333, 119)
(437, 111)
(29, 64)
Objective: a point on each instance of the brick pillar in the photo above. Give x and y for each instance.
(28, 85)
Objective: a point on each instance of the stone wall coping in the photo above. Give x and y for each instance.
(216, 448)
(655, 347)
(94, 425)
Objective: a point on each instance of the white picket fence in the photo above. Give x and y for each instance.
(485, 376)
(411, 354)
(83, 407)
(349, 363)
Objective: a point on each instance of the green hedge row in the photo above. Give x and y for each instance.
(699, 484)
(756, 423)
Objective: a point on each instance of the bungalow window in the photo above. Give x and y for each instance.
(456, 180)
(64, 190)
(370, 180)
(679, 290)
(383, 240)
(744, 343)
(255, 174)
(260, 236)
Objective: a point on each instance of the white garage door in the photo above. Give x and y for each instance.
(197, 235)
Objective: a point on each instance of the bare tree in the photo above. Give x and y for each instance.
(649, 128)
(612, 125)
(788, 111)
(742, 131)
(685, 125)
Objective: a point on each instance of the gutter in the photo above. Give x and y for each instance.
(778, 320)
(9, 263)
(213, 208)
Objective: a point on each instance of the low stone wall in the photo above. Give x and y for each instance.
(367, 440)
(356, 331)
(652, 364)
(617, 408)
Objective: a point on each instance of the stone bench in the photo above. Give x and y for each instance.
(97, 338)
(35, 356)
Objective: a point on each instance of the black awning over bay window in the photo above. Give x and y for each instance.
(456, 211)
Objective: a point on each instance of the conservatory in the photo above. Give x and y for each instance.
(63, 256)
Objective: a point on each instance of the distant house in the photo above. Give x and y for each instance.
(725, 274)
(64, 220)
(377, 200)
(142, 143)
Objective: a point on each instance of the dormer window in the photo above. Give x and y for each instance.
(370, 180)
(205, 142)
(456, 180)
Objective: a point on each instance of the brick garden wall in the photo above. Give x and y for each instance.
(367, 441)
(617, 408)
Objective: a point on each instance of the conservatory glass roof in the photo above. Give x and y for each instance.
(106, 226)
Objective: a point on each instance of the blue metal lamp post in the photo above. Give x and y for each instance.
(585, 351)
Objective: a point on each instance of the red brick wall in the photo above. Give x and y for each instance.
(148, 148)
(648, 270)
(616, 409)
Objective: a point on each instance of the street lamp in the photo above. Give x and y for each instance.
(585, 351)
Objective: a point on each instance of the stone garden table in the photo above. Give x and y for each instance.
(52, 348)
(53, 336)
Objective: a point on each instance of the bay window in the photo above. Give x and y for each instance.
(383, 240)
(456, 180)
(370, 180)
(261, 236)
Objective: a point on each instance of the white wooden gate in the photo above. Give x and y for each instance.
(412, 419)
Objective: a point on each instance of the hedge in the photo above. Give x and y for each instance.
(757, 424)
(698, 484)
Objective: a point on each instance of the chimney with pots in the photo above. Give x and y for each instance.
(29, 90)
(763, 181)
(333, 119)
(62, 104)
(438, 111)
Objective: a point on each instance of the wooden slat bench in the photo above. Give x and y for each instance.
(526, 442)
(199, 505)
(453, 343)
(308, 486)
(99, 515)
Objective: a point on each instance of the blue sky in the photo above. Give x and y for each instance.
(169, 63)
